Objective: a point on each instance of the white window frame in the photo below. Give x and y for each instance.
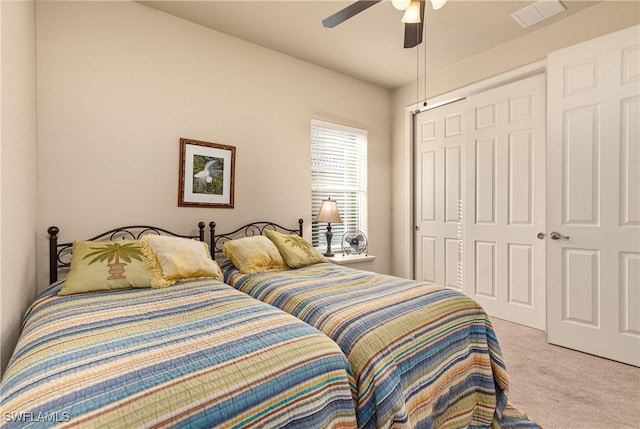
(338, 170)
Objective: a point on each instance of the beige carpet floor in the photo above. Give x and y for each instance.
(561, 388)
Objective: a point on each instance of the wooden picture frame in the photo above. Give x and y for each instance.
(206, 174)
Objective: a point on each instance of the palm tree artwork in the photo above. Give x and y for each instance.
(112, 253)
(299, 242)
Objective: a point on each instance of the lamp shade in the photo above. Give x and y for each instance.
(400, 4)
(329, 212)
(412, 13)
(437, 4)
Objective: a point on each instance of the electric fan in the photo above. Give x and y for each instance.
(354, 242)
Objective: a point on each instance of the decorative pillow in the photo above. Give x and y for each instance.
(253, 254)
(176, 258)
(106, 265)
(295, 250)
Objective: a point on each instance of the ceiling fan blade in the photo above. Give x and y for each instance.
(348, 12)
(413, 32)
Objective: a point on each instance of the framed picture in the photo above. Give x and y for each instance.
(206, 174)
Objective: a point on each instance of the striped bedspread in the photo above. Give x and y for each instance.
(198, 354)
(423, 356)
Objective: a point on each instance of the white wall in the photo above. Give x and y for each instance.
(120, 83)
(18, 172)
(592, 22)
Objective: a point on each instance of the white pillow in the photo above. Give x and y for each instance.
(176, 258)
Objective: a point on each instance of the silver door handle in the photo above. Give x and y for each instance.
(557, 236)
(417, 228)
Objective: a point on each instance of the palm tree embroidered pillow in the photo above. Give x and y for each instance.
(106, 265)
(295, 250)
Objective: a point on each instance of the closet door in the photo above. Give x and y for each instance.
(439, 141)
(594, 197)
(504, 205)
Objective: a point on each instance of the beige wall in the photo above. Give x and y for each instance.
(120, 83)
(18, 173)
(593, 22)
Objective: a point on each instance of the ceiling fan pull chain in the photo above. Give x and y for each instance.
(424, 104)
(418, 78)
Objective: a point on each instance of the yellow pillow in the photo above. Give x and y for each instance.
(253, 254)
(295, 250)
(175, 258)
(106, 265)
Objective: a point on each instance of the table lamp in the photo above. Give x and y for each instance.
(329, 213)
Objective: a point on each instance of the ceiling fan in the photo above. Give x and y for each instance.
(413, 16)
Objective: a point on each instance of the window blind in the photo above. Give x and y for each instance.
(339, 171)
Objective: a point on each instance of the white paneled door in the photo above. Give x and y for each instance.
(504, 204)
(480, 199)
(593, 197)
(438, 156)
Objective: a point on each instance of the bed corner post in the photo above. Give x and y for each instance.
(212, 239)
(300, 222)
(53, 253)
(201, 226)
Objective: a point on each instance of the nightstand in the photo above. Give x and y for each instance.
(360, 262)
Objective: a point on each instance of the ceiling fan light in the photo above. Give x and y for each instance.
(412, 14)
(401, 4)
(437, 4)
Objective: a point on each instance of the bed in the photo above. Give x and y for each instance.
(422, 355)
(195, 354)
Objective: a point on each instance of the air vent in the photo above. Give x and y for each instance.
(537, 12)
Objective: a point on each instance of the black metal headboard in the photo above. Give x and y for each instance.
(248, 230)
(60, 254)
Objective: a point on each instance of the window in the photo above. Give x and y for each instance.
(339, 171)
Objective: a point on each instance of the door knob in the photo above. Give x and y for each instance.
(557, 236)
(540, 236)
(417, 228)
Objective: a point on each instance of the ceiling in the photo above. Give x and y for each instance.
(368, 46)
